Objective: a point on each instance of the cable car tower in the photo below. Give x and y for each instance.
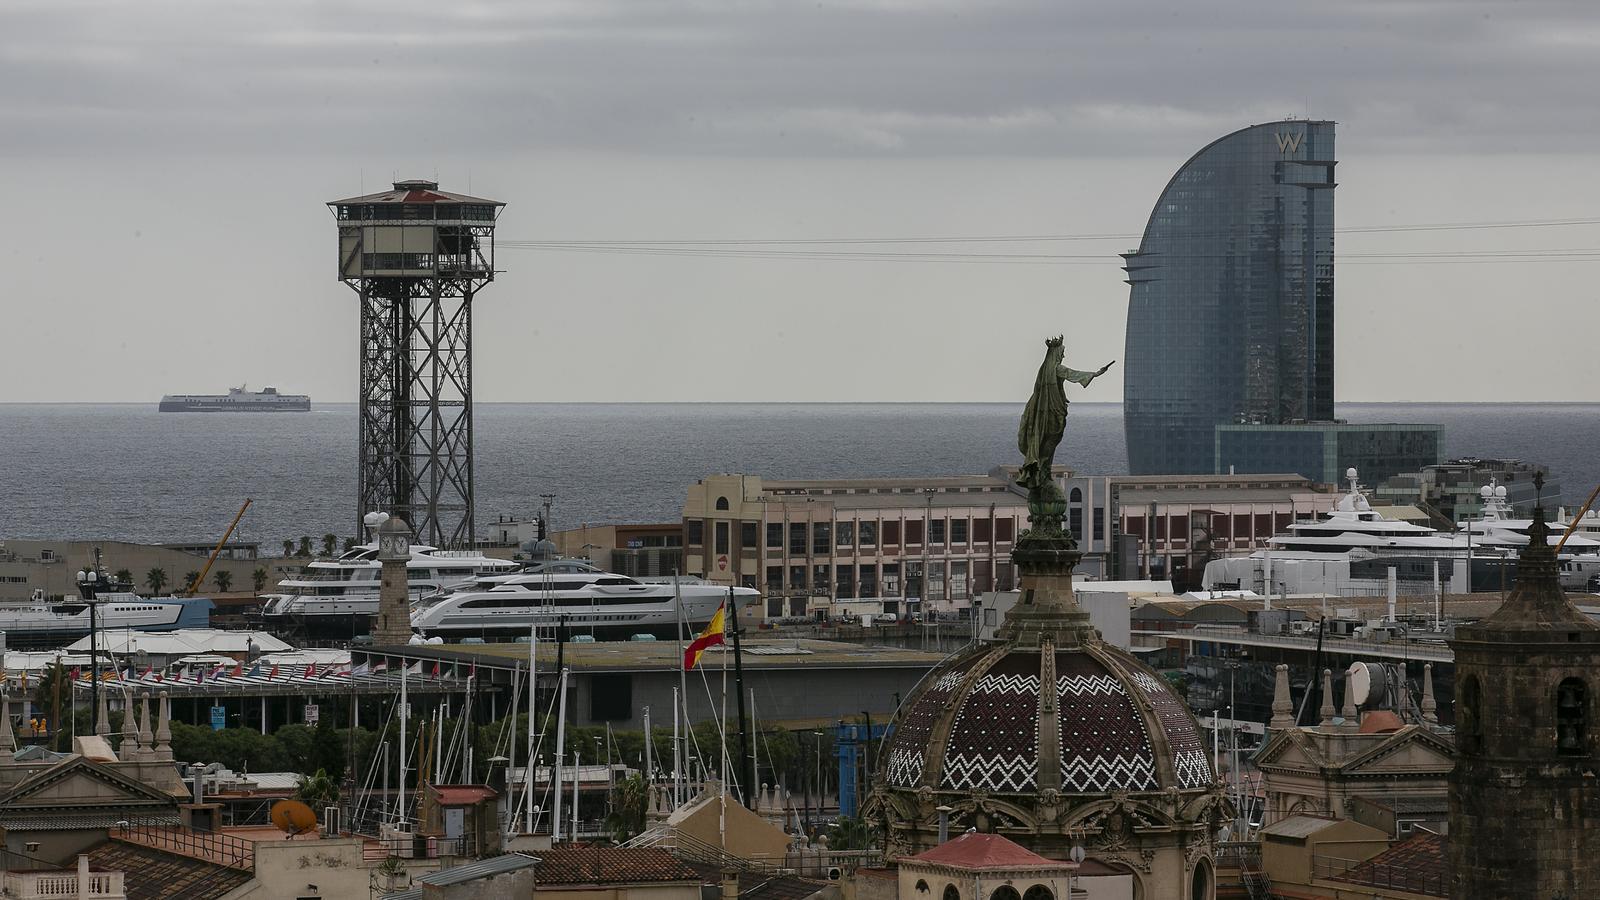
(416, 256)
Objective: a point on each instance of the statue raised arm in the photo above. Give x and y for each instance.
(1045, 418)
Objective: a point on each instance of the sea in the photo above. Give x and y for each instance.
(127, 472)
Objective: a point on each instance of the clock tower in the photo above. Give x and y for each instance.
(392, 627)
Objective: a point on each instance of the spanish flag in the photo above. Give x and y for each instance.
(712, 635)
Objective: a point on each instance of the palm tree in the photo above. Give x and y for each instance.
(850, 834)
(156, 579)
(189, 579)
(629, 800)
(329, 541)
(305, 546)
(124, 576)
(288, 547)
(349, 544)
(318, 790)
(224, 580)
(258, 578)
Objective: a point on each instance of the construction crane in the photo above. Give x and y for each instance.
(201, 578)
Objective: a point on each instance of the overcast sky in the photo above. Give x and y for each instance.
(166, 164)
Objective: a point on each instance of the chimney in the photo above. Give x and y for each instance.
(730, 884)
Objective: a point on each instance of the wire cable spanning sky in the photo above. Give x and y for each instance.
(684, 179)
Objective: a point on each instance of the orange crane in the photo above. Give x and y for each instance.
(201, 578)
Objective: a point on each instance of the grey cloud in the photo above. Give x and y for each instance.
(727, 78)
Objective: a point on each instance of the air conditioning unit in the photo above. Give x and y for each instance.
(332, 826)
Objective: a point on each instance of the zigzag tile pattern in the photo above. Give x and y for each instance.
(1190, 763)
(1104, 744)
(994, 740)
(908, 747)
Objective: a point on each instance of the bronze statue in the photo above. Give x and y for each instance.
(1043, 421)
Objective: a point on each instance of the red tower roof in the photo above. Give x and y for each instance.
(984, 851)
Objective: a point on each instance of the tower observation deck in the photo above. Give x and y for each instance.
(417, 256)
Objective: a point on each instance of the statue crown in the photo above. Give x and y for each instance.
(1054, 342)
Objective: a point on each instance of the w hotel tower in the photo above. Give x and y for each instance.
(1231, 315)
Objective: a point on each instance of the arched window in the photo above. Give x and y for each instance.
(950, 893)
(1469, 721)
(1075, 513)
(1005, 892)
(1038, 892)
(722, 503)
(1572, 718)
(1200, 884)
(1076, 496)
(922, 886)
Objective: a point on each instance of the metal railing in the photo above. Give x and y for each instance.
(418, 846)
(1434, 652)
(1370, 874)
(211, 846)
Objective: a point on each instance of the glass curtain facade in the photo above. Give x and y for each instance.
(1230, 318)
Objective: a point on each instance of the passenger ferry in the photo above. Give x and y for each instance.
(39, 623)
(586, 601)
(239, 399)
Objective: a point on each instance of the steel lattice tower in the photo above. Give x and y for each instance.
(416, 256)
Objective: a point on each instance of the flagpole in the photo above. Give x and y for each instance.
(527, 775)
(405, 713)
(722, 732)
(681, 793)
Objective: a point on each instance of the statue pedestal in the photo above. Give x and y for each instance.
(1047, 608)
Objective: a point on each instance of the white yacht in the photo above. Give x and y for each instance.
(1347, 553)
(1501, 532)
(591, 602)
(38, 622)
(338, 597)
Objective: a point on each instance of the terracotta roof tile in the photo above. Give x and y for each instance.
(1415, 865)
(463, 794)
(151, 874)
(983, 851)
(611, 865)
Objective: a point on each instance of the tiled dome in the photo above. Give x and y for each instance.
(1109, 725)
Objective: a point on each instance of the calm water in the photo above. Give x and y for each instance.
(128, 472)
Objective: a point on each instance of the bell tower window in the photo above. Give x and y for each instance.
(1469, 721)
(1572, 718)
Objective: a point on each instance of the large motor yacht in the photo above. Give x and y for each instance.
(591, 602)
(337, 598)
(40, 623)
(1500, 532)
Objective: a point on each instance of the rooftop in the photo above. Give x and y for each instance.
(984, 851)
(1415, 865)
(611, 865)
(652, 656)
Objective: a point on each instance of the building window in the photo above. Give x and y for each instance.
(721, 531)
(869, 580)
(797, 578)
(936, 531)
(1075, 521)
(1004, 529)
(695, 532)
(891, 534)
(914, 533)
(891, 579)
(774, 578)
(819, 576)
(821, 538)
(982, 533)
(844, 580)
(1040, 892)
(747, 535)
(922, 886)
(869, 533)
(845, 534)
(1572, 718)
(958, 579)
(950, 893)
(797, 539)
(1099, 523)
(775, 535)
(958, 531)
(1469, 721)
(1005, 892)
(722, 503)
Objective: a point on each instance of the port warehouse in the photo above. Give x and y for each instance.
(795, 682)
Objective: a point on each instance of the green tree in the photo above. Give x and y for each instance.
(305, 546)
(124, 576)
(850, 833)
(258, 579)
(329, 542)
(224, 580)
(156, 579)
(318, 790)
(288, 547)
(349, 544)
(630, 800)
(190, 578)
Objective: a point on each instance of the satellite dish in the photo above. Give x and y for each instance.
(1077, 854)
(1358, 680)
(293, 817)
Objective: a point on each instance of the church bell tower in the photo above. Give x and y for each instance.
(1525, 792)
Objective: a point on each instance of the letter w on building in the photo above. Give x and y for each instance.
(1289, 141)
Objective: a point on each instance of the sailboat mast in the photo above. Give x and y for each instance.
(527, 774)
(746, 762)
(561, 742)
